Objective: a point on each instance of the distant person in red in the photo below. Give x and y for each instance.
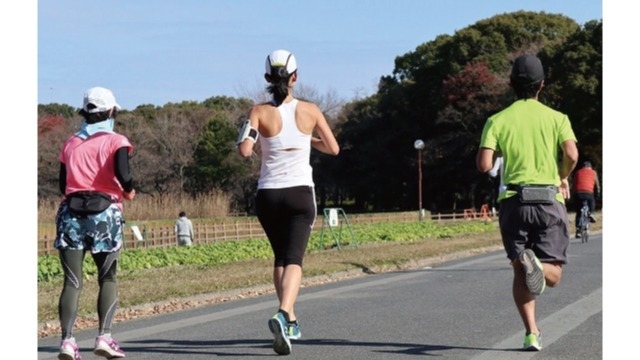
(586, 187)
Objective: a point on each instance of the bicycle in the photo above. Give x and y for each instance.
(583, 222)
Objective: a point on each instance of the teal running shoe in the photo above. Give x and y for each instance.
(278, 327)
(293, 330)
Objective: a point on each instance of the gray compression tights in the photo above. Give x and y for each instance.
(107, 264)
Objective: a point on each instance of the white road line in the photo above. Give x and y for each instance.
(555, 326)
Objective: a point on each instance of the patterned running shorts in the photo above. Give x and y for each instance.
(99, 233)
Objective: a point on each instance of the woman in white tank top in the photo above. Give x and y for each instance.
(287, 129)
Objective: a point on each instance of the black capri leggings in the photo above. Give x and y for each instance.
(287, 217)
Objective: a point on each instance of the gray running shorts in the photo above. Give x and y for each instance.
(544, 228)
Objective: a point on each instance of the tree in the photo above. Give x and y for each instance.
(576, 72)
(56, 109)
(164, 141)
(53, 131)
(56, 122)
(213, 166)
(430, 96)
(471, 96)
(371, 168)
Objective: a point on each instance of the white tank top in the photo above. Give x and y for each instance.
(285, 156)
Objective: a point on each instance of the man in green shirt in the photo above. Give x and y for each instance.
(533, 218)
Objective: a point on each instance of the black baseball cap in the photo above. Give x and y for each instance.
(527, 69)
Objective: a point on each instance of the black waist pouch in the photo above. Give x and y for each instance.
(88, 202)
(537, 194)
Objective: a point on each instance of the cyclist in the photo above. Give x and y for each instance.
(586, 187)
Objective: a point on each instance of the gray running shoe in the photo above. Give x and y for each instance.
(533, 271)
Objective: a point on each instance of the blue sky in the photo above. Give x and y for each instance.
(155, 52)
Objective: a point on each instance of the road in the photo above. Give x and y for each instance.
(460, 309)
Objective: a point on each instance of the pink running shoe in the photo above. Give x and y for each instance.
(107, 347)
(69, 350)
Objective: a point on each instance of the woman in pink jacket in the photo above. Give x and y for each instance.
(94, 178)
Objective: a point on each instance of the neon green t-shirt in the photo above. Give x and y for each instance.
(529, 135)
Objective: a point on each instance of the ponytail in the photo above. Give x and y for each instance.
(278, 86)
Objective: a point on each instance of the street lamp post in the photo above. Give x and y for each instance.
(419, 145)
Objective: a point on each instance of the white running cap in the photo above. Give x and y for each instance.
(280, 63)
(102, 100)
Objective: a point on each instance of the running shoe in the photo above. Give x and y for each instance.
(293, 330)
(534, 273)
(532, 342)
(278, 327)
(107, 347)
(69, 350)
(578, 236)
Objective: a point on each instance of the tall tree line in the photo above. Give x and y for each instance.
(442, 93)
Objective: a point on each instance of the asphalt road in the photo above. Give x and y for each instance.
(461, 309)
